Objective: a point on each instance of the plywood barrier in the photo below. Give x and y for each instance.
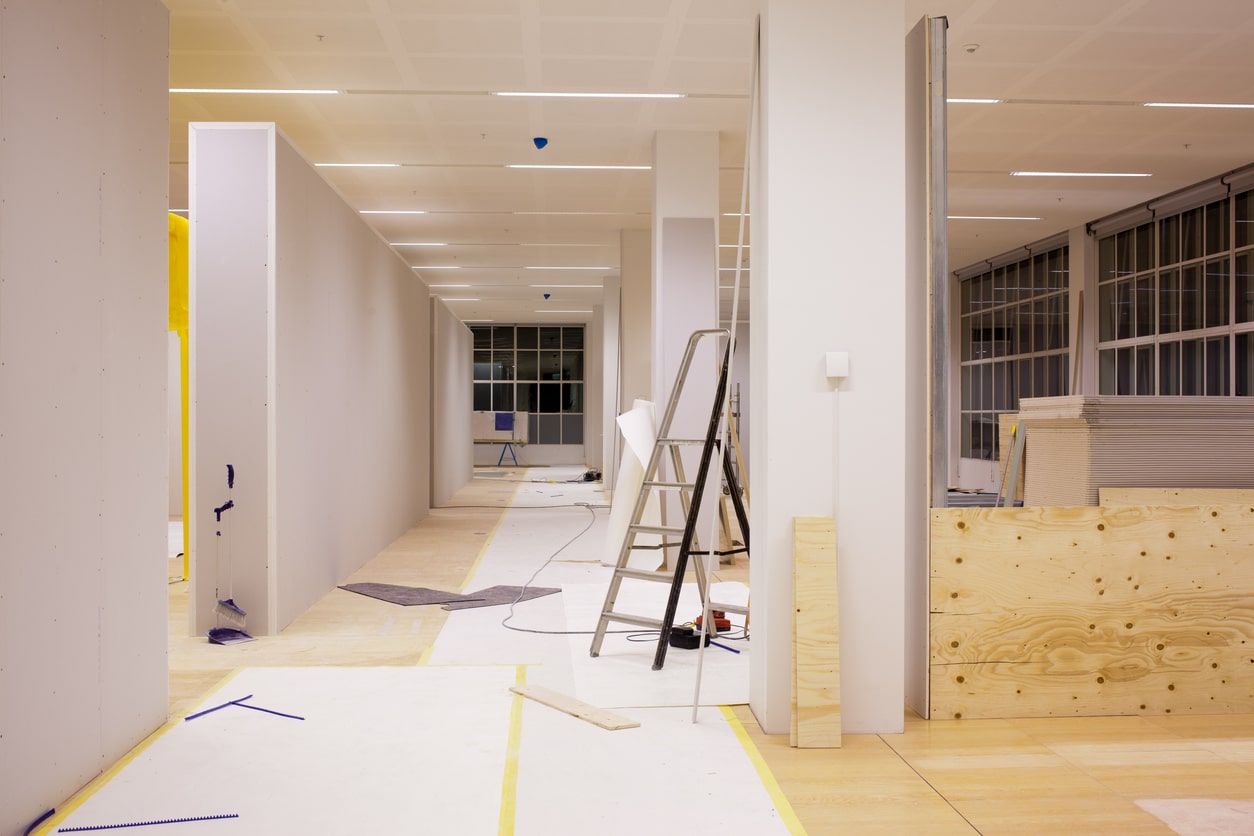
(1042, 612)
(816, 635)
(1175, 496)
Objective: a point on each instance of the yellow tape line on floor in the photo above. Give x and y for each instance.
(509, 783)
(786, 812)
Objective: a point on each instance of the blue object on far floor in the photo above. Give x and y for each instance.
(507, 447)
(504, 422)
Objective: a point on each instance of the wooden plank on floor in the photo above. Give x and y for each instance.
(816, 633)
(576, 708)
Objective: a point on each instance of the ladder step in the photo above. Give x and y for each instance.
(655, 529)
(736, 608)
(700, 442)
(645, 574)
(638, 620)
(671, 486)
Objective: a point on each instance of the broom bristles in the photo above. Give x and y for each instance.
(230, 612)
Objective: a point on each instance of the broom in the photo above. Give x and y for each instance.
(227, 610)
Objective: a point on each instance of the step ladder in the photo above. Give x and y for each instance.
(690, 495)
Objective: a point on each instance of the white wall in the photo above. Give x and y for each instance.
(635, 259)
(611, 360)
(832, 122)
(174, 423)
(452, 400)
(310, 374)
(83, 155)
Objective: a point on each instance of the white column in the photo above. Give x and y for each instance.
(611, 317)
(636, 380)
(829, 275)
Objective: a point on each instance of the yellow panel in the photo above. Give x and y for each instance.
(816, 634)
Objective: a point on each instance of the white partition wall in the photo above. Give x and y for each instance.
(310, 376)
(84, 113)
(832, 100)
(452, 400)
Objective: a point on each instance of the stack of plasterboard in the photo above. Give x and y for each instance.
(1079, 444)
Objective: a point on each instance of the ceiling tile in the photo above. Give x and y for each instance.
(620, 38)
(462, 35)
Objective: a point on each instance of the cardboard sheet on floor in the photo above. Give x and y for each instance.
(406, 596)
(381, 750)
(622, 675)
(667, 776)
(494, 596)
(1201, 816)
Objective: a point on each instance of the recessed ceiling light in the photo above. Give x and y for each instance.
(733, 246)
(592, 95)
(567, 268)
(597, 286)
(436, 266)
(1075, 174)
(254, 91)
(393, 212)
(1200, 104)
(419, 244)
(561, 312)
(357, 165)
(448, 286)
(459, 299)
(989, 218)
(578, 213)
(973, 101)
(588, 167)
(735, 215)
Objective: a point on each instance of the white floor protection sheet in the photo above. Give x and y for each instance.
(381, 750)
(669, 776)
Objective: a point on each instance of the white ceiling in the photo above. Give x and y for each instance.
(416, 76)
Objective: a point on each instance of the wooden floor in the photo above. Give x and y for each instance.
(939, 777)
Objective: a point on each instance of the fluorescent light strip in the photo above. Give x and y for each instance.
(478, 320)
(732, 246)
(568, 268)
(419, 244)
(393, 212)
(973, 101)
(576, 213)
(1201, 104)
(449, 286)
(556, 286)
(521, 94)
(459, 299)
(1075, 174)
(436, 266)
(247, 91)
(988, 218)
(562, 312)
(357, 165)
(588, 167)
(735, 215)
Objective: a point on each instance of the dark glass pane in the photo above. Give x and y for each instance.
(1245, 363)
(1106, 372)
(1012, 282)
(502, 365)
(572, 365)
(1217, 292)
(1243, 301)
(1064, 387)
(550, 397)
(1245, 220)
(983, 347)
(572, 337)
(550, 429)
(1107, 312)
(1000, 332)
(986, 386)
(1040, 324)
(1012, 385)
(572, 429)
(1217, 227)
(1123, 309)
(999, 285)
(1169, 301)
(502, 397)
(1192, 232)
(966, 324)
(525, 397)
(483, 397)
(528, 336)
(1191, 298)
(550, 337)
(966, 387)
(1022, 326)
(1001, 391)
(572, 397)
(1123, 371)
(483, 365)
(964, 296)
(1057, 317)
(1145, 369)
(550, 365)
(1217, 366)
(502, 336)
(1024, 377)
(1057, 374)
(1144, 307)
(533, 428)
(482, 336)
(1169, 368)
(1125, 264)
(975, 292)
(1144, 247)
(528, 367)
(1169, 241)
(1191, 370)
(1106, 259)
(965, 421)
(1040, 377)
(986, 291)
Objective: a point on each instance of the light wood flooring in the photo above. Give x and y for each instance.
(940, 777)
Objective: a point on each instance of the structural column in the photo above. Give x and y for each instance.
(828, 214)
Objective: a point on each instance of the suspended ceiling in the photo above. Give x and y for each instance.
(415, 78)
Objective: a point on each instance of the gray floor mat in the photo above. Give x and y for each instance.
(496, 595)
(407, 596)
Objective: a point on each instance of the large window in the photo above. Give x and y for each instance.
(1014, 334)
(1176, 303)
(537, 369)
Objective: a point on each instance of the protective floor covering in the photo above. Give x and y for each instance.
(407, 596)
(427, 750)
(495, 596)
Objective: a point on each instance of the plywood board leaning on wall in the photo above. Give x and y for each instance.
(1087, 611)
(816, 635)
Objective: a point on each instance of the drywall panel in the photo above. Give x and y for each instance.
(452, 448)
(230, 308)
(1041, 612)
(611, 360)
(83, 138)
(832, 122)
(351, 421)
